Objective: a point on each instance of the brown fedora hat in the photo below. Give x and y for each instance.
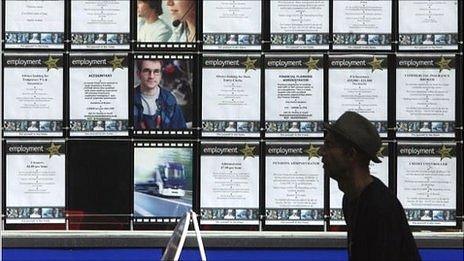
(358, 130)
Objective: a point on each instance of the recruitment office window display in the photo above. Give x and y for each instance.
(426, 91)
(428, 25)
(300, 25)
(166, 24)
(164, 174)
(232, 25)
(229, 183)
(164, 95)
(362, 25)
(427, 182)
(98, 94)
(294, 190)
(294, 95)
(33, 95)
(359, 83)
(34, 182)
(34, 24)
(100, 24)
(231, 95)
(378, 170)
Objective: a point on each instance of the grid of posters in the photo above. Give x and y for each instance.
(163, 94)
(229, 183)
(34, 24)
(231, 86)
(166, 24)
(294, 95)
(294, 184)
(163, 181)
(168, 85)
(300, 25)
(426, 183)
(35, 181)
(425, 95)
(97, 24)
(363, 25)
(428, 25)
(98, 95)
(33, 91)
(359, 83)
(378, 170)
(243, 20)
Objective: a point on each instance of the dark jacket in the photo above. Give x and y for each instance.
(167, 116)
(377, 226)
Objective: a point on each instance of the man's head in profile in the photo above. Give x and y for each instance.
(350, 144)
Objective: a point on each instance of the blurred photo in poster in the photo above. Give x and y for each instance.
(163, 93)
(163, 181)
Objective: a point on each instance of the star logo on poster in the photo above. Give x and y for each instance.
(116, 62)
(376, 64)
(312, 64)
(444, 64)
(248, 151)
(380, 152)
(445, 152)
(313, 152)
(51, 63)
(53, 150)
(249, 64)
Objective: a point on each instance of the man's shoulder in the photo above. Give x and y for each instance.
(380, 198)
(167, 97)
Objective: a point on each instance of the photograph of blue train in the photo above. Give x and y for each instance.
(162, 181)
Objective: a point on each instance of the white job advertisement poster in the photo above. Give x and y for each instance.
(365, 25)
(33, 95)
(294, 184)
(229, 183)
(294, 95)
(232, 25)
(100, 24)
(35, 182)
(378, 170)
(359, 83)
(425, 95)
(98, 95)
(34, 24)
(301, 25)
(428, 25)
(231, 96)
(426, 183)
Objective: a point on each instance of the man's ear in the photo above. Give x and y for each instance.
(352, 154)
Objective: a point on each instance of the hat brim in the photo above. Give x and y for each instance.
(331, 128)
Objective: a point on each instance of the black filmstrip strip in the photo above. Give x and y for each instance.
(161, 144)
(163, 56)
(163, 132)
(166, 45)
(156, 220)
